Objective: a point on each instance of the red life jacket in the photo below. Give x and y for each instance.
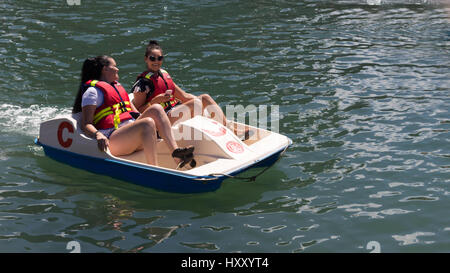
(116, 105)
(161, 82)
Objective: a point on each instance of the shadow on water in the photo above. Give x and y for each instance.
(233, 193)
(358, 87)
(146, 217)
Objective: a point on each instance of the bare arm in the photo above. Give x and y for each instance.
(181, 95)
(87, 125)
(160, 99)
(133, 108)
(139, 101)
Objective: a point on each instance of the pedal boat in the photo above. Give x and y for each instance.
(219, 154)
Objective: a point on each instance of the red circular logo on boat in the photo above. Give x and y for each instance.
(215, 130)
(235, 147)
(64, 125)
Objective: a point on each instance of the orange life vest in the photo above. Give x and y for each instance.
(161, 82)
(116, 105)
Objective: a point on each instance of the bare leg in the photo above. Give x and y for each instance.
(162, 122)
(141, 134)
(218, 115)
(163, 125)
(194, 107)
(213, 108)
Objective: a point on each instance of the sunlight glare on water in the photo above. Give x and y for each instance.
(362, 88)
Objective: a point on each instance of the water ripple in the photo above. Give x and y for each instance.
(362, 88)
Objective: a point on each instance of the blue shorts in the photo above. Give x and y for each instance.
(109, 131)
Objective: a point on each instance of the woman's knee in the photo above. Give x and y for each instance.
(148, 126)
(154, 111)
(156, 108)
(206, 98)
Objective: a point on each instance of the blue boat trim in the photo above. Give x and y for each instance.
(133, 165)
(265, 161)
(148, 176)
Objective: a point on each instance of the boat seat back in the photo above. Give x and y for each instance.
(210, 138)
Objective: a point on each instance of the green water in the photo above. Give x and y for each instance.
(362, 89)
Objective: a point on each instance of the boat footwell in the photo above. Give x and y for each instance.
(137, 174)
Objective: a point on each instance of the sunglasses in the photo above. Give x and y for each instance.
(153, 58)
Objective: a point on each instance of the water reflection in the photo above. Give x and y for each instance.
(362, 89)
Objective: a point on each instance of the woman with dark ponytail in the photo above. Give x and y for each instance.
(155, 86)
(89, 71)
(107, 115)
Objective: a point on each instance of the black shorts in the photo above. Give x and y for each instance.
(170, 108)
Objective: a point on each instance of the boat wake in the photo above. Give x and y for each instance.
(26, 120)
(392, 2)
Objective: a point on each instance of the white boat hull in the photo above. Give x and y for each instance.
(218, 152)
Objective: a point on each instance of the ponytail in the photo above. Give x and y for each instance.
(152, 45)
(91, 70)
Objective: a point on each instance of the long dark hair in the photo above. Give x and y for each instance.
(151, 46)
(91, 70)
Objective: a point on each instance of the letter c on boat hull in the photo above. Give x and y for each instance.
(64, 125)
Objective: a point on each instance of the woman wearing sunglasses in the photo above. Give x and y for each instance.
(155, 86)
(107, 115)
